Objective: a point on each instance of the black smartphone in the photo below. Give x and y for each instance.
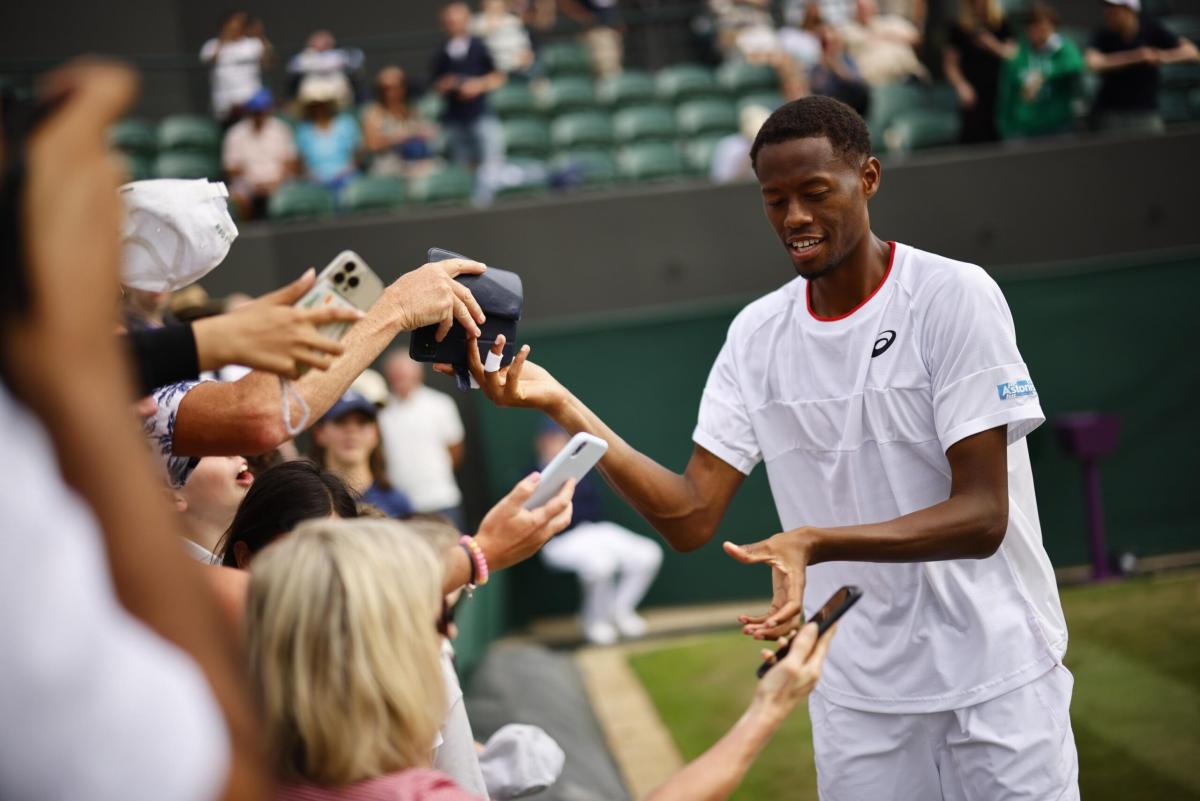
(830, 613)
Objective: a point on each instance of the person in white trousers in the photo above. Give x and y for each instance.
(615, 566)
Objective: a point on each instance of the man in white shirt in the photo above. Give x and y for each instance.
(422, 439)
(884, 391)
(236, 57)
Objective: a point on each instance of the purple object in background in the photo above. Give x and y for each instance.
(1088, 436)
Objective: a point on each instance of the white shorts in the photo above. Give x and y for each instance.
(1016, 746)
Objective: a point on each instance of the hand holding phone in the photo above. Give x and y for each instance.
(837, 605)
(347, 282)
(574, 461)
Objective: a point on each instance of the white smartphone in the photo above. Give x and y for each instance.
(348, 282)
(574, 461)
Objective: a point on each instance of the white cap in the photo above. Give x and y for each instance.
(520, 760)
(174, 233)
(324, 88)
(1136, 5)
(372, 386)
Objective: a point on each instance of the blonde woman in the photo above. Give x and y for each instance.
(979, 43)
(343, 644)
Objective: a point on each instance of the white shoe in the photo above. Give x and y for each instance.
(600, 633)
(631, 625)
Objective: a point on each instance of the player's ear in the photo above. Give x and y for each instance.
(871, 174)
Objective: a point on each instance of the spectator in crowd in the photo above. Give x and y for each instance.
(208, 502)
(1127, 52)
(602, 35)
(258, 155)
(745, 28)
(978, 44)
(346, 442)
(142, 309)
(731, 157)
(836, 75)
(800, 36)
(464, 73)
(422, 439)
(505, 36)
(1040, 85)
(237, 57)
(398, 139)
(328, 142)
(615, 566)
(368, 682)
(321, 56)
(883, 45)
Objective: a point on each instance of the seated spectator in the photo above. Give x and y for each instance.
(505, 36)
(398, 139)
(321, 56)
(346, 442)
(1126, 53)
(237, 57)
(731, 157)
(800, 37)
(328, 142)
(258, 155)
(615, 566)
(883, 45)
(836, 75)
(1040, 85)
(602, 35)
(979, 43)
(208, 501)
(745, 28)
(464, 73)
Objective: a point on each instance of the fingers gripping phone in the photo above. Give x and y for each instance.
(837, 605)
(574, 461)
(347, 282)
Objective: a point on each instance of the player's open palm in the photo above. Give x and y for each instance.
(788, 561)
(521, 384)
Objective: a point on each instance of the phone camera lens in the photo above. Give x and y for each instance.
(338, 278)
(353, 282)
(350, 266)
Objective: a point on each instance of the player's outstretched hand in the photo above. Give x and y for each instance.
(788, 559)
(521, 384)
(429, 295)
(794, 677)
(510, 533)
(270, 334)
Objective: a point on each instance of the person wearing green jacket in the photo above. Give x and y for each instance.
(1039, 85)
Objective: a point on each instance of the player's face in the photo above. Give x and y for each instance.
(816, 201)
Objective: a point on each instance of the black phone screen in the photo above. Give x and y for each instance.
(825, 617)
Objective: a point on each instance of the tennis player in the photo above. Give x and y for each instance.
(884, 390)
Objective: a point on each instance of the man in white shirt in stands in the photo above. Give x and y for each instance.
(422, 439)
(884, 390)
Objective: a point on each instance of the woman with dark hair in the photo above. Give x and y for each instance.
(396, 136)
(278, 501)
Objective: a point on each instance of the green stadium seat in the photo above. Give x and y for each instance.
(374, 193)
(1183, 25)
(138, 167)
(1181, 75)
(706, 117)
(698, 153)
(565, 58)
(177, 164)
(941, 97)
(596, 167)
(649, 161)
(888, 101)
(739, 78)
(582, 129)
(133, 137)
(922, 128)
(535, 171)
(298, 200)
(190, 133)
(568, 94)
(686, 82)
(431, 105)
(513, 100)
(644, 123)
(526, 137)
(452, 184)
(630, 88)
(768, 100)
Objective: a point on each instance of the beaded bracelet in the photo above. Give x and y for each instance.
(478, 560)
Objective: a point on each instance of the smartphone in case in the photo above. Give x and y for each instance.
(348, 282)
(574, 461)
(837, 605)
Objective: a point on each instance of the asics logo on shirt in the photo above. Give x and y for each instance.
(883, 342)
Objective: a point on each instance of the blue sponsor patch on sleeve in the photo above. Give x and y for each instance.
(1016, 389)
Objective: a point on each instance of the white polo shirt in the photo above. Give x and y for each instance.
(853, 417)
(418, 433)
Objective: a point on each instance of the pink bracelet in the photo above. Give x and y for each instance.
(481, 565)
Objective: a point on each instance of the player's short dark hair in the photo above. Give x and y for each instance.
(816, 117)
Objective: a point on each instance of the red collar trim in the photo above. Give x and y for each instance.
(865, 301)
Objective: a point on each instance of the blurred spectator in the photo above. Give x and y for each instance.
(745, 28)
(883, 45)
(615, 566)
(237, 57)
(731, 157)
(346, 442)
(602, 35)
(398, 138)
(422, 439)
(321, 56)
(831, 12)
(328, 142)
(258, 155)
(505, 36)
(464, 73)
(1126, 52)
(1040, 84)
(978, 44)
(800, 37)
(208, 502)
(836, 75)
(141, 308)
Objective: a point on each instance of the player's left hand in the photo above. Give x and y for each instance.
(788, 555)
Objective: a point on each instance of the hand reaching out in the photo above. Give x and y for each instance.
(429, 295)
(788, 557)
(521, 384)
(793, 678)
(510, 533)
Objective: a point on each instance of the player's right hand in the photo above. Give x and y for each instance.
(521, 384)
